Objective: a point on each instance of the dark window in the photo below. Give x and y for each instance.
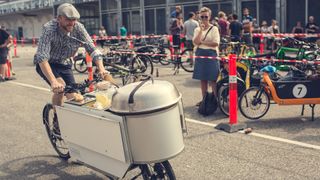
(161, 21)
(154, 2)
(130, 3)
(187, 9)
(136, 22)
(149, 19)
(126, 21)
(226, 8)
(295, 12)
(314, 10)
(109, 4)
(267, 11)
(110, 22)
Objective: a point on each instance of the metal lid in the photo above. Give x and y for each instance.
(144, 96)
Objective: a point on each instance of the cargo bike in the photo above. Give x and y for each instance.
(141, 130)
(299, 89)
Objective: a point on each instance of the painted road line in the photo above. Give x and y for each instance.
(29, 86)
(261, 135)
(210, 125)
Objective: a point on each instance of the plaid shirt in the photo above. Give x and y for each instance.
(57, 47)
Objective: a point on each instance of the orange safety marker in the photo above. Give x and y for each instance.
(8, 68)
(90, 72)
(33, 42)
(94, 38)
(261, 44)
(131, 46)
(233, 125)
(182, 43)
(170, 37)
(15, 47)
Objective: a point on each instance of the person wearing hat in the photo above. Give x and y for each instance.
(57, 45)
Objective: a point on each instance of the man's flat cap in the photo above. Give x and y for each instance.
(68, 10)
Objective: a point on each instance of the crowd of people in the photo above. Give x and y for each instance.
(204, 32)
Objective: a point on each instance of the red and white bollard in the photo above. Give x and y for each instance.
(94, 38)
(170, 37)
(131, 45)
(33, 42)
(261, 44)
(15, 47)
(233, 125)
(90, 72)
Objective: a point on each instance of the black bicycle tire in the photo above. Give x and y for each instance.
(223, 87)
(167, 58)
(46, 110)
(76, 67)
(184, 67)
(145, 61)
(147, 174)
(263, 113)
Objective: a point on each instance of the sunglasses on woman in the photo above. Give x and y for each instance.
(204, 17)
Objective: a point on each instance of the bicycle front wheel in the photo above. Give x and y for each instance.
(165, 56)
(50, 120)
(254, 103)
(80, 65)
(162, 170)
(142, 64)
(187, 60)
(223, 99)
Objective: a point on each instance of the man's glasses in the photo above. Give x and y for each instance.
(204, 17)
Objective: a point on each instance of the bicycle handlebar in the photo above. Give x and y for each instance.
(81, 87)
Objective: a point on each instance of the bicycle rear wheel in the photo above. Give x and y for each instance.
(50, 120)
(223, 99)
(165, 54)
(80, 65)
(142, 64)
(254, 103)
(187, 60)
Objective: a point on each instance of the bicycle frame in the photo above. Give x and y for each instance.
(293, 101)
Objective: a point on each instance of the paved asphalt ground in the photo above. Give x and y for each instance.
(283, 145)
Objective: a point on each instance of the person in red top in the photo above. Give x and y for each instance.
(223, 24)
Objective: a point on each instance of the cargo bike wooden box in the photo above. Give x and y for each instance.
(142, 129)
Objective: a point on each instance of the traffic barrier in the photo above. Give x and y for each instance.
(301, 35)
(94, 38)
(90, 72)
(261, 44)
(33, 42)
(15, 47)
(8, 69)
(233, 125)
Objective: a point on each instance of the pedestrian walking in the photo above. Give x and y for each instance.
(102, 36)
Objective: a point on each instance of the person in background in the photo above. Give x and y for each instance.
(264, 27)
(297, 30)
(247, 26)
(189, 26)
(206, 39)
(4, 41)
(102, 36)
(223, 24)
(57, 45)
(235, 29)
(256, 29)
(312, 28)
(274, 28)
(176, 29)
(10, 54)
(176, 12)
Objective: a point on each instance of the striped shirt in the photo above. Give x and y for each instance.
(55, 46)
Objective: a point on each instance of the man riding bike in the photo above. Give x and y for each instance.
(56, 47)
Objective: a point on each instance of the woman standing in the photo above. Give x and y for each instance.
(206, 39)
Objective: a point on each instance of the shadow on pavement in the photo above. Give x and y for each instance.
(41, 167)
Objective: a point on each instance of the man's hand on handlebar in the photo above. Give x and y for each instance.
(57, 87)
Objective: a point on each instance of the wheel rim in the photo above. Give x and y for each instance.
(187, 61)
(224, 100)
(53, 131)
(252, 107)
(80, 66)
